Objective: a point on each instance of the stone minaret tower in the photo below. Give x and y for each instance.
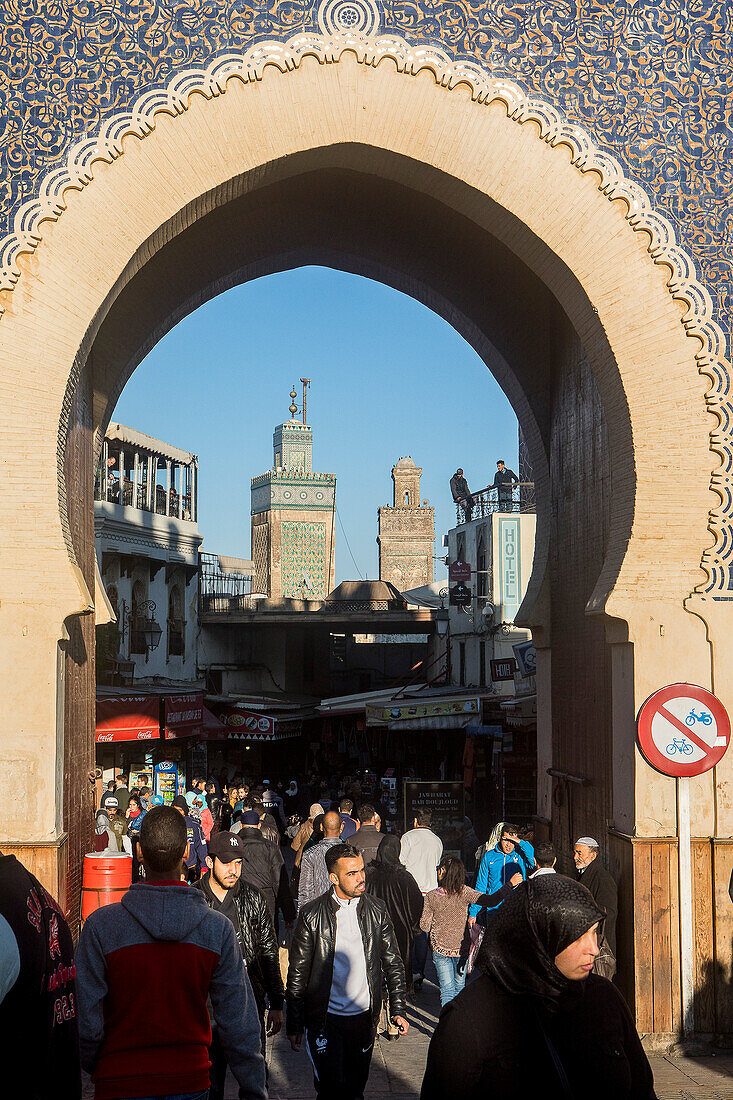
(406, 532)
(293, 518)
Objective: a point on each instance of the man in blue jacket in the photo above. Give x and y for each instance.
(509, 849)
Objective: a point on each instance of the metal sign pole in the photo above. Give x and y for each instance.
(686, 925)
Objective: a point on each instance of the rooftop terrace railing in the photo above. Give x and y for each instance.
(221, 592)
(519, 497)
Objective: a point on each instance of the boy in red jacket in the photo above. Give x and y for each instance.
(157, 1045)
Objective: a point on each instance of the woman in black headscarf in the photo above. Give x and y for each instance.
(538, 1022)
(391, 882)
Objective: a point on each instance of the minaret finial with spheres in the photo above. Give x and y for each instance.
(293, 407)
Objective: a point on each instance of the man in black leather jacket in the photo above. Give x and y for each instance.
(343, 948)
(263, 866)
(225, 891)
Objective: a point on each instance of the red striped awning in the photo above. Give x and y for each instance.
(128, 718)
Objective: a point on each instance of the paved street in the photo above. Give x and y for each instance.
(397, 1067)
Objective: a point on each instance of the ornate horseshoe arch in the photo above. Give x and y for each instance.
(513, 170)
(251, 67)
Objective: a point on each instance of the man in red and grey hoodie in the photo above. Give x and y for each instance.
(163, 931)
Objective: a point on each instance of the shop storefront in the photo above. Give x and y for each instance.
(164, 737)
(256, 745)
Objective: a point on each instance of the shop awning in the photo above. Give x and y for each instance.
(214, 729)
(425, 725)
(450, 712)
(521, 710)
(184, 715)
(128, 718)
(251, 725)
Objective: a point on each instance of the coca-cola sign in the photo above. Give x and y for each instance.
(128, 718)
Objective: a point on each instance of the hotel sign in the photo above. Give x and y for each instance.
(509, 568)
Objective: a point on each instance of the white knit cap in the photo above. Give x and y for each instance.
(588, 841)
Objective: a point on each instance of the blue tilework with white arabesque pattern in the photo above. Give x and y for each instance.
(651, 81)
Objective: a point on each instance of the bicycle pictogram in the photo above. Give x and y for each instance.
(681, 746)
(703, 717)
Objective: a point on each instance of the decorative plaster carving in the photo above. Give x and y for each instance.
(250, 65)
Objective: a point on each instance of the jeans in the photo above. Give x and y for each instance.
(420, 954)
(451, 980)
(177, 1096)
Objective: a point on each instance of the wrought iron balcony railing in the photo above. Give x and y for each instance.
(515, 498)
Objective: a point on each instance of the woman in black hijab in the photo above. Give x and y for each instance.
(538, 1022)
(391, 882)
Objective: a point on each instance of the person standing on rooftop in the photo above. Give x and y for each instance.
(504, 479)
(461, 494)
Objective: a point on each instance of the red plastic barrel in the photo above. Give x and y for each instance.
(104, 880)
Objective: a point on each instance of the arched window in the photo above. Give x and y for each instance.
(113, 597)
(407, 497)
(176, 622)
(137, 617)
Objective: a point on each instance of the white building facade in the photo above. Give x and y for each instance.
(499, 548)
(147, 545)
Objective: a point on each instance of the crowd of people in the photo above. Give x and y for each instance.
(192, 971)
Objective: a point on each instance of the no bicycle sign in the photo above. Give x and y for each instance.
(683, 730)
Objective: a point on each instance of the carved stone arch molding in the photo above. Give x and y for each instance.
(33, 238)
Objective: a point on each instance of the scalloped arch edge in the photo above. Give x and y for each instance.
(249, 66)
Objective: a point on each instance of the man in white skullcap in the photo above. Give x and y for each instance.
(602, 886)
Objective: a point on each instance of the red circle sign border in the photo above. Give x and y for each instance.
(644, 726)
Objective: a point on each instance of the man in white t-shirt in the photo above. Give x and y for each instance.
(420, 851)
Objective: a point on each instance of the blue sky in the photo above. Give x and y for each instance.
(389, 378)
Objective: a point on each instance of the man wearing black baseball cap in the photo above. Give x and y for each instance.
(225, 891)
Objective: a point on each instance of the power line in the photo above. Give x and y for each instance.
(343, 532)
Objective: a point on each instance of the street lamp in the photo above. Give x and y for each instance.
(147, 626)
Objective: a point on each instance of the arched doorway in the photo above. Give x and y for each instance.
(495, 214)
